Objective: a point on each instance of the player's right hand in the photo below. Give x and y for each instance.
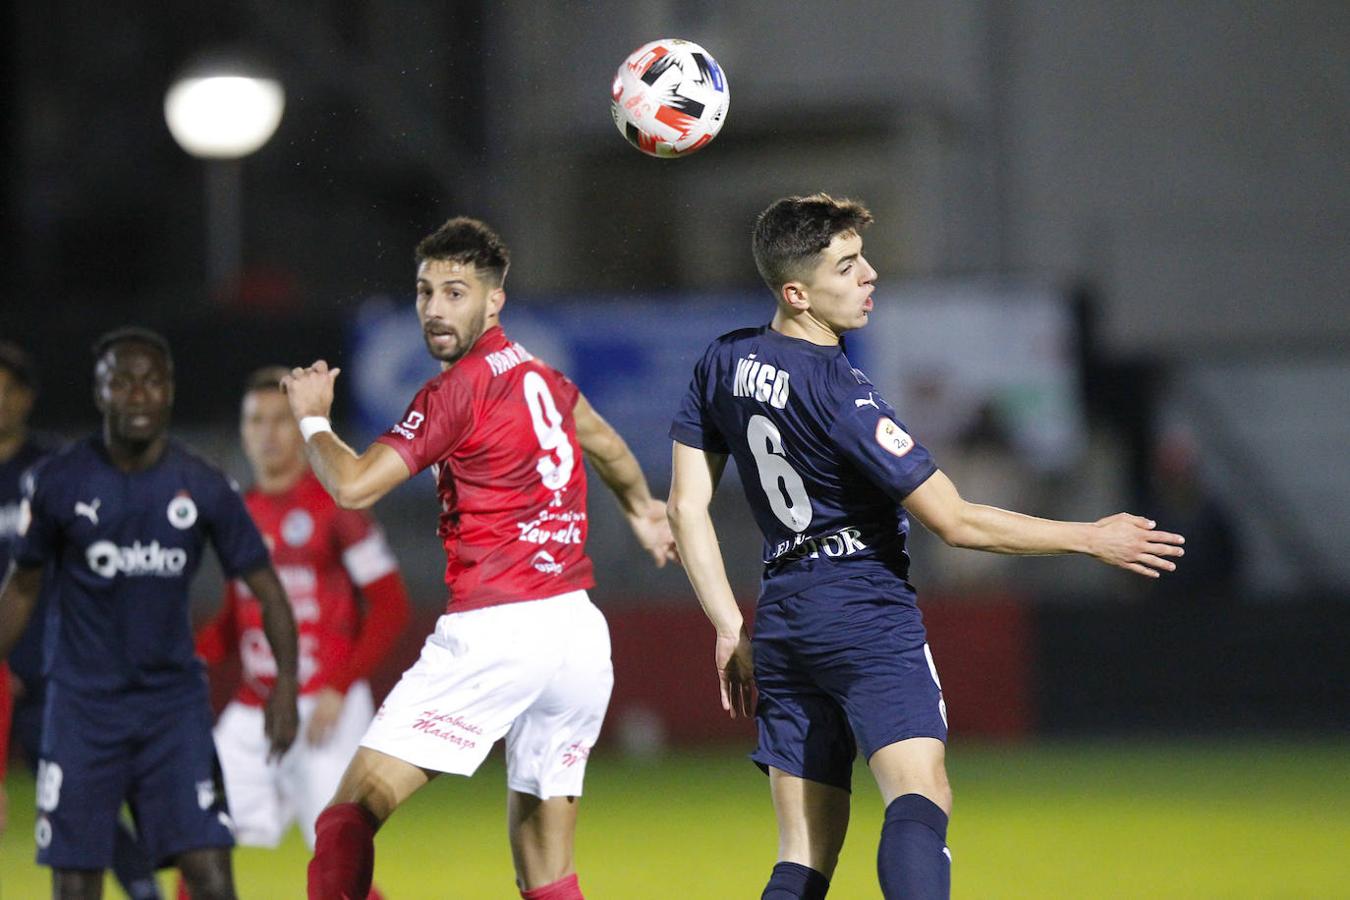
(281, 718)
(327, 708)
(652, 529)
(1134, 543)
(310, 391)
(736, 674)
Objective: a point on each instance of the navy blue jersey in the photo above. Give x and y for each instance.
(26, 657)
(124, 547)
(823, 458)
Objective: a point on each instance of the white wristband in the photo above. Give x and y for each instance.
(312, 425)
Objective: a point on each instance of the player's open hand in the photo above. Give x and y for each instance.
(281, 718)
(310, 391)
(327, 708)
(652, 529)
(736, 674)
(1134, 543)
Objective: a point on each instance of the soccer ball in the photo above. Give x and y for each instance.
(670, 98)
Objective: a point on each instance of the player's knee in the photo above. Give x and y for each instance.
(76, 884)
(207, 874)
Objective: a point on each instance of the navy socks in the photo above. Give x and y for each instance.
(913, 862)
(793, 881)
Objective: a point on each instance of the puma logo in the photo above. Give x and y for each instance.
(88, 510)
(868, 402)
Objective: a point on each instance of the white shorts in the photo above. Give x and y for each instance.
(537, 673)
(265, 797)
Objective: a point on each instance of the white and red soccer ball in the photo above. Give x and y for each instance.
(670, 98)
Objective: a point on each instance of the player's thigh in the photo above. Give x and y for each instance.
(178, 793)
(812, 820)
(256, 801)
(83, 775)
(802, 730)
(477, 672)
(542, 834)
(913, 766)
(319, 769)
(550, 741)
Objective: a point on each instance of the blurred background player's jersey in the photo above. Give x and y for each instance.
(128, 544)
(498, 429)
(25, 660)
(823, 459)
(323, 554)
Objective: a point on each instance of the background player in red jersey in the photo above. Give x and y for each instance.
(326, 557)
(521, 653)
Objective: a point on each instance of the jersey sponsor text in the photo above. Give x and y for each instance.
(108, 560)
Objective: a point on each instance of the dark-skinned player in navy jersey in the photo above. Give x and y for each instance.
(839, 655)
(20, 451)
(122, 520)
(521, 652)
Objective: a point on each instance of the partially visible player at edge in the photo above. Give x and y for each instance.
(123, 519)
(521, 652)
(20, 451)
(839, 655)
(350, 605)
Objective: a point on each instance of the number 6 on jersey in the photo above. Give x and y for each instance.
(782, 485)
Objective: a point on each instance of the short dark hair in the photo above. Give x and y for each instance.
(467, 240)
(133, 334)
(792, 232)
(19, 363)
(267, 378)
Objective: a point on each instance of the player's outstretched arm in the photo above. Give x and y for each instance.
(694, 477)
(1123, 540)
(18, 596)
(281, 717)
(609, 455)
(354, 480)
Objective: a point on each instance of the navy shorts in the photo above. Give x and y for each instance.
(842, 667)
(152, 750)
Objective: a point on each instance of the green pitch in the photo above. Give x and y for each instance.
(1043, 821)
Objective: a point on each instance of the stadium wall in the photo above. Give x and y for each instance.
(1010, 669)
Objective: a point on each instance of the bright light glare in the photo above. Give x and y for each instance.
(223, 116)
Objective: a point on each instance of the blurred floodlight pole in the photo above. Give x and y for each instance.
(221, 112)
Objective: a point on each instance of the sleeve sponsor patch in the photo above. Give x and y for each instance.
(893, 438)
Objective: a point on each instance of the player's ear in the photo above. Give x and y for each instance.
(793, 293)
(496, 300)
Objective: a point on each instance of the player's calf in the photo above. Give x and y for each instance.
(344, 853)
(913, 861)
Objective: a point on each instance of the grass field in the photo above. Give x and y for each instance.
(1192, 820)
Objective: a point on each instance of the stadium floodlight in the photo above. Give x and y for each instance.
(224, 111)
(221, 109)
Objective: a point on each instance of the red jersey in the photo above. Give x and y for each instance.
(498, 432)
(323, 554)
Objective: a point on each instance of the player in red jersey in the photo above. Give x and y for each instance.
(520, 653)
(350, 605)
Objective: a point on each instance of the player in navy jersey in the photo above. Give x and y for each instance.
(839, 655)
(521, 652)
(20, 450)
(121, 519)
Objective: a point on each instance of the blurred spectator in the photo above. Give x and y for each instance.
(1180, 501)
(989, 470)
